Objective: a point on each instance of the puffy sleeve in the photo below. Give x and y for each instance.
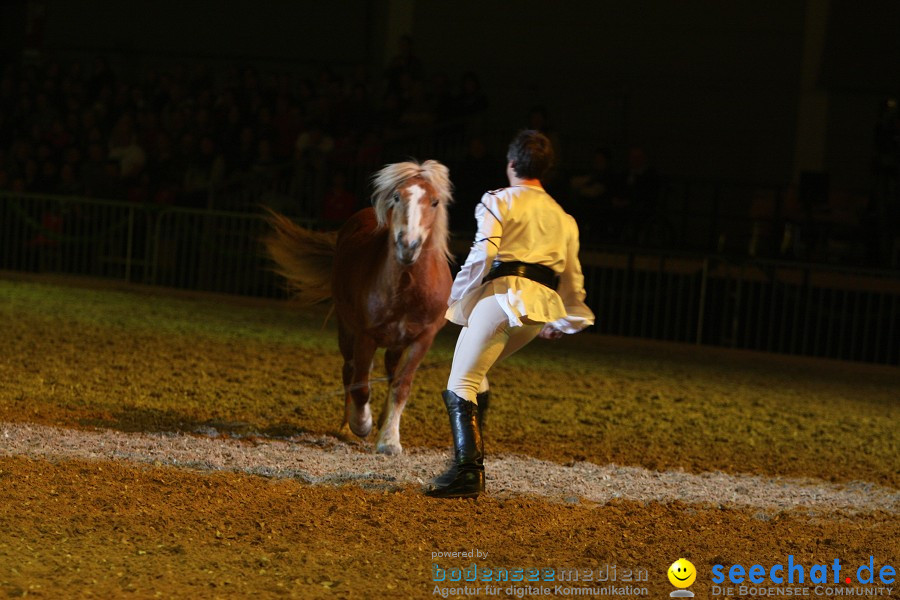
(487, 241)
(571, 290)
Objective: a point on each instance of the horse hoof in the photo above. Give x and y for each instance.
(362, 430)
(360, 422)
(389, 448)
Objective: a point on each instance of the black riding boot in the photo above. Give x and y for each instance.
(468, 479)
(484, 400)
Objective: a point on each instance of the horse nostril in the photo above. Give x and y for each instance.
(415, 244)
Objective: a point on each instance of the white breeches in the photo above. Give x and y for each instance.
(487, 340)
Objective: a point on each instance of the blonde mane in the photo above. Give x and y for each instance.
(436, 175)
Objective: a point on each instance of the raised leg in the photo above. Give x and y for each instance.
(357, 413)
(407, 361)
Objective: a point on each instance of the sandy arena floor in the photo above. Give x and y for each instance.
(167, 445)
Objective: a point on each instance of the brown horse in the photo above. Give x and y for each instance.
(387, 271)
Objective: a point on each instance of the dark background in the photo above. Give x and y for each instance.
(709, 89)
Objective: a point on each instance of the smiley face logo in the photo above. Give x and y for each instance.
(682, 573)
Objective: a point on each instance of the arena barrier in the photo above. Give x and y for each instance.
(791, 308)
(197, 249)
(772, 306)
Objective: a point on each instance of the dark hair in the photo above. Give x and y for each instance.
(531, 154)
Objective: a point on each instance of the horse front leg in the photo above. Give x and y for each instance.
(357, 413)
(388, 441)
(392, 358)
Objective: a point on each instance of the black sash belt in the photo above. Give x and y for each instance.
(535, 272)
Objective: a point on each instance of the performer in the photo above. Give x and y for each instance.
(522, 279)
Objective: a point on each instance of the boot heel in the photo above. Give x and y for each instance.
(467, 484)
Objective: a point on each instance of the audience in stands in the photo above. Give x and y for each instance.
(181, 136)
(174, 136)
(591, 198)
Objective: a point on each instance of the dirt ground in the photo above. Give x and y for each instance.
(144, 360)
(139, 362)
(114, 529)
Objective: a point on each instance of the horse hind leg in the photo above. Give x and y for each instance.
(357, 353)
(346, 433)
(357, 413)
(345, 343)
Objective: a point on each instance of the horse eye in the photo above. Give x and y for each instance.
(434, 203)
(396, 198)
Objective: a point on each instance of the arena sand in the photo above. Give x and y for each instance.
(257, 374)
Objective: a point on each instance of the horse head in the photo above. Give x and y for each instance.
(411, 199)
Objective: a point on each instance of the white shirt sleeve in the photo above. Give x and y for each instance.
(571, 290)
(483, 250)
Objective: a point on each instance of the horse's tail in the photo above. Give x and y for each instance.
(303, 257)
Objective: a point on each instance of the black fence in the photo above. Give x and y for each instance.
(185, 248)
(773, 306)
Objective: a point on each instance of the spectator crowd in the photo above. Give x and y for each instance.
(168, 136)
(171, 136)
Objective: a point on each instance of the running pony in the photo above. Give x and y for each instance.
(388, 273)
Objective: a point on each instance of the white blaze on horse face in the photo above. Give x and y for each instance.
(415, 232)
(409, 220)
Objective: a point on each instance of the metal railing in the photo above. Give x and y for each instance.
(68, 235)
(766, 305)
(186, 248)
(772, 306)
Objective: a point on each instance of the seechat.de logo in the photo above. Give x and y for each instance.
(797, 573)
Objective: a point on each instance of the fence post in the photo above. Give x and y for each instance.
(130, 248)
(152, 247)
(702, 311)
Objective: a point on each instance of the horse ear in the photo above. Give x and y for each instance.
(438, 175)
(382, 182)
(436, 168)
